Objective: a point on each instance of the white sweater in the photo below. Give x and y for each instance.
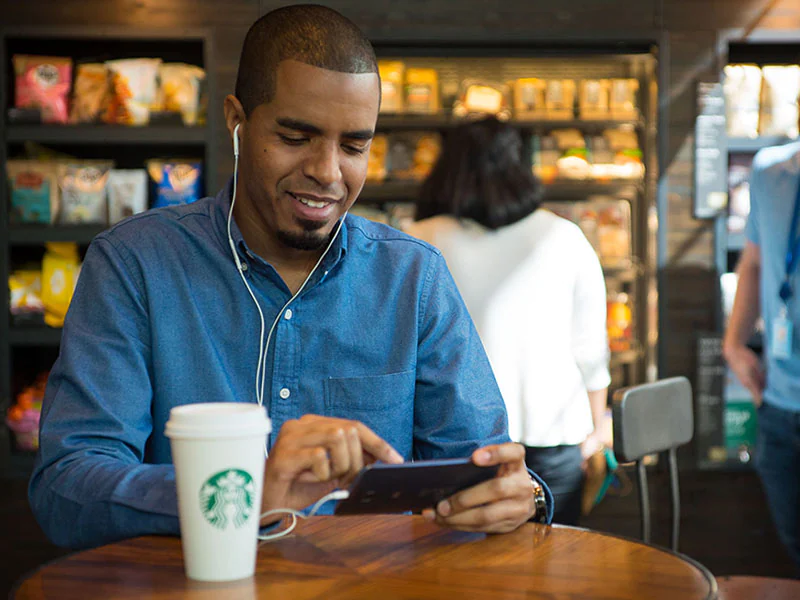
(536, 292)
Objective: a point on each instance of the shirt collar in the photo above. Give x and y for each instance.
(222, 201)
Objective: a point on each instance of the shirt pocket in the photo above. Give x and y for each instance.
(384, 403)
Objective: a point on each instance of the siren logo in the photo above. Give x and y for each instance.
(227, 498)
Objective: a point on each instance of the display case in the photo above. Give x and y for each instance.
(590, 116)
(78, 137)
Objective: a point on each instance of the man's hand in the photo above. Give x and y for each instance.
(314, 455)
(746, 366)
(498, 505)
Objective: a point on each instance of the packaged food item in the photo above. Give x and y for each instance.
(781, 92)
(624, 144)
(478, 98)
(91, 94)
(34, 191)
(560, 99)
(422, 91)
(179, 90)
(127, 193)
(529, 98)
(43, 82)
(376, 164)
(413, 154)
(623, 102)
(619, 322)
(391, 73)
(545, 158)
(176, 182)
(134, 90)
(60, 267)
(25, 291)
(613, 232)
(23, 416)
(573, 161)
(742, 89)
(593, 99)
(83, 192)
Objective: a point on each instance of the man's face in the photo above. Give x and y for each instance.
(304, 154)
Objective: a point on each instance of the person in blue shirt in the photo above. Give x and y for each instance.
(351, 334)
(769, 286)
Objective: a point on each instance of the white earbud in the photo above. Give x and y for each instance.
(236, 140)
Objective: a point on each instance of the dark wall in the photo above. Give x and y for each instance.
(687, 30)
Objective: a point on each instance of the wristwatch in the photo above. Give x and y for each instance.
(539, 501)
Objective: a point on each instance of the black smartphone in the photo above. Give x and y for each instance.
(410, 487)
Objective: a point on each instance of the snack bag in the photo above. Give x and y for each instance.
(59, 274)
(742, 89)
(127, 193)
(25, 290)
(391, 73)
(134, 90)
(482, 98)
(376, 164)
(43, 82)
(92, 93)
(34, 191)
(176, 182)
(179, 90)
(559, 99)
(593, 98)
(422, 91)
(622, 101)
(83, 192)
(781, 92)
(529, 95)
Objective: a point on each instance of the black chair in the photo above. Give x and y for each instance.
(648, 419)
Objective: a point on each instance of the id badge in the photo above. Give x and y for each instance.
(782, 330)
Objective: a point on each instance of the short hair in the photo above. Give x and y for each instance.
(308, 33)
(483, 173)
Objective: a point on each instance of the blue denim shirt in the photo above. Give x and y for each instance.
(160, 318)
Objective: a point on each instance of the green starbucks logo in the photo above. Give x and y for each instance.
(227, 497)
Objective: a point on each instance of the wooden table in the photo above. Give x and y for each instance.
(389, 557)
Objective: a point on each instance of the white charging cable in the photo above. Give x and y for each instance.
(295, 514)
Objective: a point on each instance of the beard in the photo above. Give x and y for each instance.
(310, 238)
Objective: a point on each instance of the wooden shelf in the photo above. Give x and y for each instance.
(561, 190)
(32, 235)
(746, 145)
(168, 135)
(445, 121)
(42, 335)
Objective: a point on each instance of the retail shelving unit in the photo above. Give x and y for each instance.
(27, 350)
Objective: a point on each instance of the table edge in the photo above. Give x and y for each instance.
(709, 576)
(713, 591)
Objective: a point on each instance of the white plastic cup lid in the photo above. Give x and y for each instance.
(217, 420)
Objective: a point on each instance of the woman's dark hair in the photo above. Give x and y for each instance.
(484, 174)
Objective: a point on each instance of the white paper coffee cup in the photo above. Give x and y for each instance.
(218, 452)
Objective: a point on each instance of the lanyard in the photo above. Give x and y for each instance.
(792, 251)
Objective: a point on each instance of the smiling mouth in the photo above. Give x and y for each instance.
(311, 203)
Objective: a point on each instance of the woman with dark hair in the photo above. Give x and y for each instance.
(535, 290)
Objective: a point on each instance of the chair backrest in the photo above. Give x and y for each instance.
(652, 417)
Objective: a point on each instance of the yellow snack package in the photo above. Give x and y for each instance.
(60, 267)
(376, 165)
(391, 73)
(422, 91)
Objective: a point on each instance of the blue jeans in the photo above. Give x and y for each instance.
(560, 468)
(778, 466)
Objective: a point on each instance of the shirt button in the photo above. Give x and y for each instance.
(244, 267)
(288, 314)
(285, 393)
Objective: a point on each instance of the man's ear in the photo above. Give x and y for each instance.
(234, 114)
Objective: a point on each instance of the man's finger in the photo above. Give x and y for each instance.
(499, 454)
(376, 446)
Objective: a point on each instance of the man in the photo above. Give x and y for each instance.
(769, 286)
(375, 359)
